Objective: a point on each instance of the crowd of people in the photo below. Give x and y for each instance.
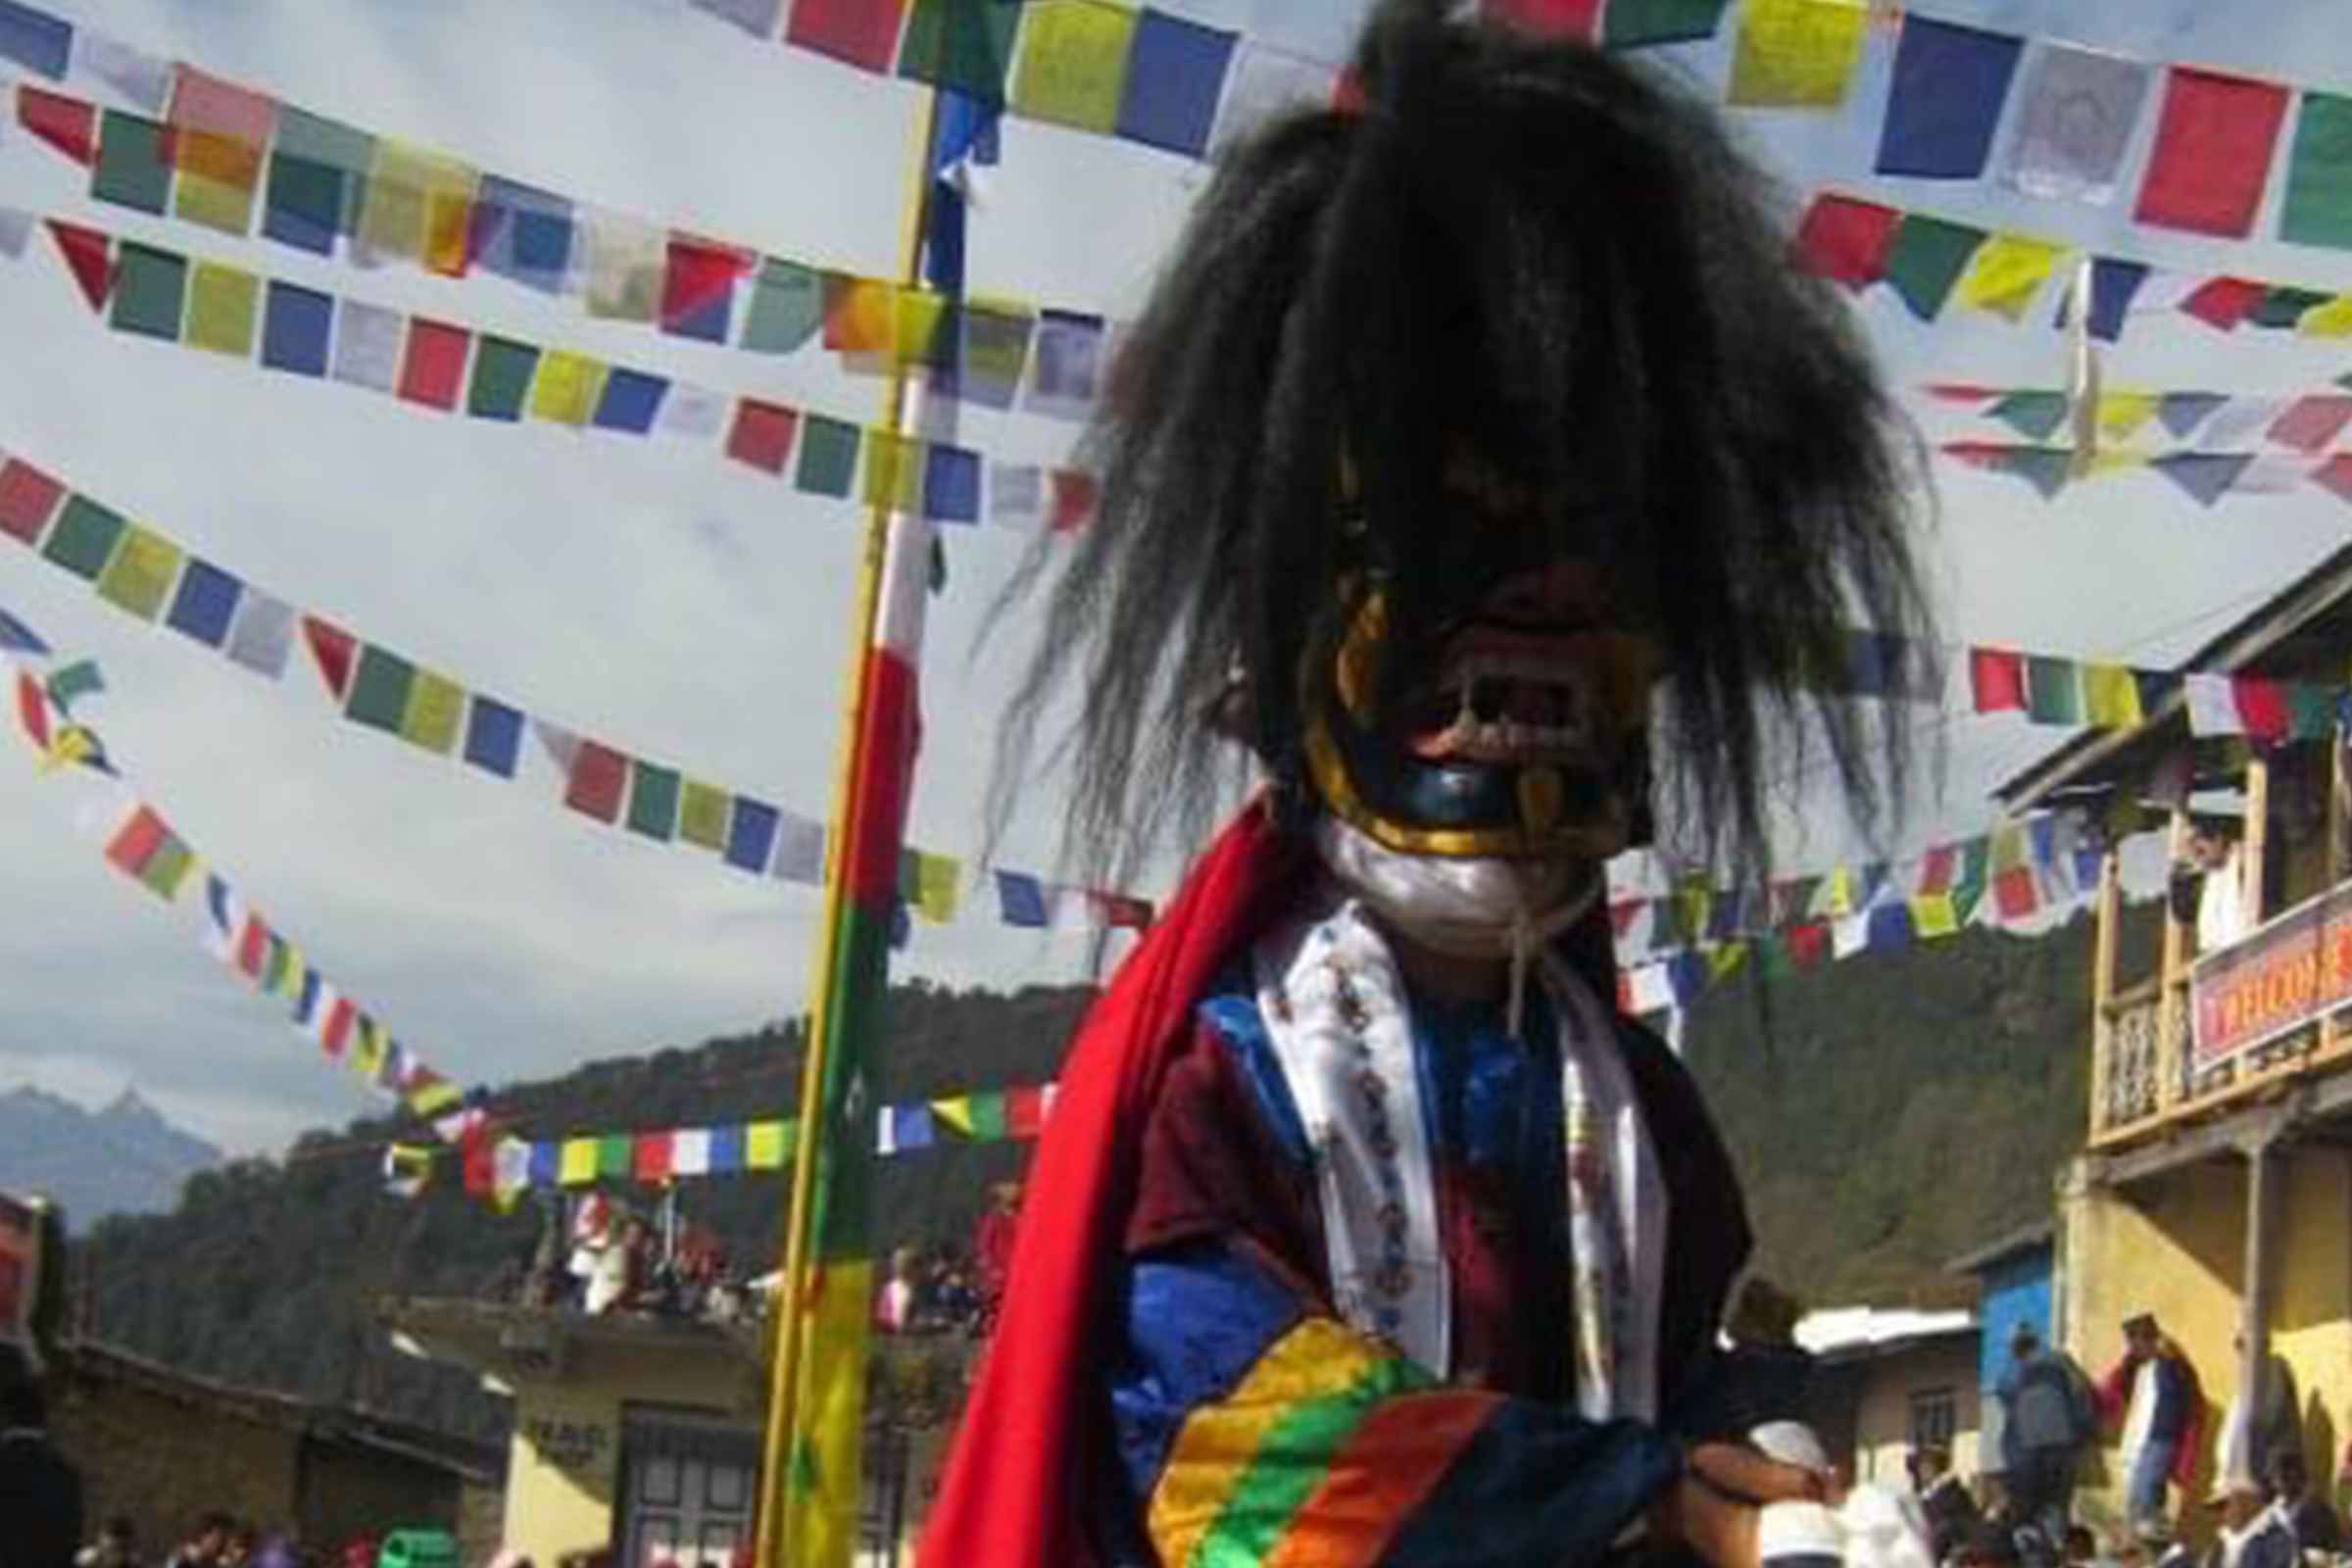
(2261, 1511)
(604, 1257)
(945, 1288)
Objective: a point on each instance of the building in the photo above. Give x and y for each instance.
(162, 1447)
(1886, 1381)
(2214, 1186)
(638, 1437)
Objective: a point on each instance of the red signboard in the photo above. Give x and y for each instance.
(2289, 973)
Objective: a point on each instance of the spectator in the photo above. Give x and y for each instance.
(2253, 1534)
(208, 1547)
(40, 1492)
(116, 1547)
(1951, 1513)
(893, 1308)
(2154, 1389)
(2208, 887)
(2048, 1418)
(2316, 1525)
(992, 1247)
(2255, 1432)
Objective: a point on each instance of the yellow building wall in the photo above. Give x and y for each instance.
(564, 1466)
(1883, 1413)
(2174, 1246)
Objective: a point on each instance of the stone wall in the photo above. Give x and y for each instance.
(165, 1462)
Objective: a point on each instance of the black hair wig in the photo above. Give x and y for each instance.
(1561, 261)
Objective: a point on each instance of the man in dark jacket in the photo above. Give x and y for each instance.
(40, 1493)
(1951, 1513)
(2048, 1418)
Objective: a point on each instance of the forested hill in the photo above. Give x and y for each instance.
(1887, 1112)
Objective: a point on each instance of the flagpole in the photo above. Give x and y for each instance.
(850, 794)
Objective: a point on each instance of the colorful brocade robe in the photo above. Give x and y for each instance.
(1255, 1427)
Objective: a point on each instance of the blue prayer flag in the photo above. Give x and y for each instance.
(2206, 475)
(206, 602)
(294, 329)
(1175, 74)
(911, 1126)
(493, 736)
(1950, 84)
(726, 1149)
(631, 400)
(35, 40)
(1890, 928)
(951, 483)
(547, 1164)
(752, 834)
(16, 635)
(522, 233)
(2113, 283)
(1022, 900)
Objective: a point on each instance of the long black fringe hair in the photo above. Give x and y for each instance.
(1562, 259)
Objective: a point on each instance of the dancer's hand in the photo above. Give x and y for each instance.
(1744, 1474)
(1712, 1508)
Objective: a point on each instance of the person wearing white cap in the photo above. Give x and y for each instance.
(2253, 1534)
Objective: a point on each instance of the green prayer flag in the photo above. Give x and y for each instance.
(963, 44)
(2053, 690)
(2035, 415)
(653, 799)
(2318, 175)
(141, 572)
(2311, 711)
(787, 305)
(828, 456)
(2284, 306)
(85, 537)
(1637, 23)
(149, 289)
(615, 1154)
(168, 866)
(75, 681)
(988, 1117)
(1927, 261)
(380, 691)
(131, 171)
(223, 305)
(501, 378)
(317, 179)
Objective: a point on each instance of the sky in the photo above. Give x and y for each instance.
(699, 611)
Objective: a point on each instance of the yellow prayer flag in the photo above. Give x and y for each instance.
(2112, 459)
(366, 1057)
(921, 315)
(1691, 906)
(1797, 54)
(861, 313)
(2110, 696)
(2122, 414)
(956, 1111)
(575, 1166)
(703, 814)
(2009, 270)
(893, 470)
(435, 709)
(1073, 64)
(223, 303)
(290, 977)
(140, 572)
(2008, 848)
(822, 1507)
(418, 206)
(938, 880)
(1721, 962)
(2332, 320)
(438, 1095)
(74, 744)
(568, 389)
(1837, 896)
(1932, 915)
(763, 1145)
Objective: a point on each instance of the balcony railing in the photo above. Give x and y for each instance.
(2144, 1083)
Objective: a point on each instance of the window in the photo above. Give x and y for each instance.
(1935, 1413)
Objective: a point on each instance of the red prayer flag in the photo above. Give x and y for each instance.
(2223, 301)
(88, 257)
(699, 272)
(2213, 152)
(433, 373)
(1808, 944)
(2262, 708)
(2311, 423)
(1118, 909)
(2013, 893)
(67, 125)
(33, 710)
(600, 777)
(1936, 871)
(1847, 241)
(761, 435)
(863, 32)
(27, 499)
(337, 1033)
(334, 648)
(1549, 19)
(481, 1157)
(1963, 392)
(252, 947)
(1024, 1113)
(138, 841)
(1997, 677)
(650, 1161)
(1075, 493)
(2336, 476)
